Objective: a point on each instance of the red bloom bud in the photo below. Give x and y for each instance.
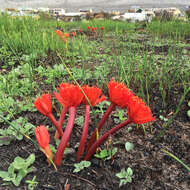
(43, 104)
(42, 136)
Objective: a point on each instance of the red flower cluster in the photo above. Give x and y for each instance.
(95, 28)
(71, 96)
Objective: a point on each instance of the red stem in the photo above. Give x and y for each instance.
(61, 120)
(93, 148)
(100, 124)
(66, 136)
(84, 134)
(62, 116)
(55, 123)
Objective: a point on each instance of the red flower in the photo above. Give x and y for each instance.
(102, 28)
(59, 33)
(92, 94)
(74, 33)
(138, 112)
(71, 94)
(80, 30)
(57, 95)
(95, 28)
(43, 104)
(89, 27)
(66, 35)
(42, 136)
(119, 93)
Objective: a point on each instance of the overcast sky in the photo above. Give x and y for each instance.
(91, 3)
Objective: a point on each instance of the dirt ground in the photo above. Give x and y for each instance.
(153, 170)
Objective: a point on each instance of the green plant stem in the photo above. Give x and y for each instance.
(66, 136)
(100, 124)
(93, 148)
(84, 133)
(177, 159)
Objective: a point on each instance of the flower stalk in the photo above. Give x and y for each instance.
(66, 136)
(84, 133)
(100, 125)
(94, 146)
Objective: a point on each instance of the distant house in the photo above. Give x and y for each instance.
(172, 12)
(57, 11)
(133, 17)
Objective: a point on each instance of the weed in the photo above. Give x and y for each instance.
(129, 146)
(17, 170)
(188, 112)
(31, 183)
(80, 166)
(21, 126)
(125, 176)
(106, 154)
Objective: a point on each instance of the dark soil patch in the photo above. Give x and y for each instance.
(152, 168)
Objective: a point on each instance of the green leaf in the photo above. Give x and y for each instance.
(129, 179)
(188, 113)
(103, 154)
(30, 160)
(122, 173)
(85, 163)
(80, 166)
(129, 171)
(129, 146)
(111, 153)
(21, 174)
(188, 104)
(4, 174)
(18, 163)
(122, 182)
(125, 176)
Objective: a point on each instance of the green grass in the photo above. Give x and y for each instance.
(157, 57)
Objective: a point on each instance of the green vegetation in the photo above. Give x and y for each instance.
(106, 154)
(154, 61)
(156, 57)
(21, 126)
(125, 176)
(188, 112)
(32, 183)
(81, 165)
(18, 170)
